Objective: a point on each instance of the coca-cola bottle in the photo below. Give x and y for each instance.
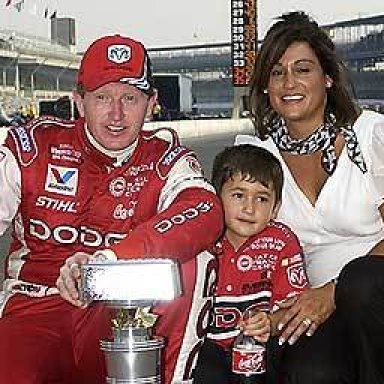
(248, 358)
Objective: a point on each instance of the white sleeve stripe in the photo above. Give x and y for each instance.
(166, 200)
(243, 298)
(181, 177)
(3, 134)
(224, 335)
(10, 181)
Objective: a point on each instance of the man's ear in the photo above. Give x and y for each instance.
(78, 99)
(152, 101)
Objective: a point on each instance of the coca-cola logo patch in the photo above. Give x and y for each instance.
(248, 361)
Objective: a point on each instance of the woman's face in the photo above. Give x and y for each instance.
(297, 89)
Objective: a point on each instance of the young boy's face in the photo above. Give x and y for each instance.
(248, 207)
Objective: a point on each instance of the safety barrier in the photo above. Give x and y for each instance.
(189, 129)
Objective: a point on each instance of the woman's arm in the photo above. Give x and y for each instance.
(314, 306)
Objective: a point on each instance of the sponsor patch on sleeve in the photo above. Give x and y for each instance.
(25, 144)
(170, 158)
(24, 139)
(194, 164)
(296, 276)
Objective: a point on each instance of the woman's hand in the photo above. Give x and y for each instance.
(311, 309)
(257, 325)
(68, 281)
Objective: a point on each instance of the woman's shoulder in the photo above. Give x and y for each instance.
(369, 128)
(248, 139)
(268, 144)
(369, 121)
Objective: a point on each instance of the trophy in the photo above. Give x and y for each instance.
(131, 287)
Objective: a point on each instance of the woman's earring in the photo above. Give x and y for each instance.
(265, 91)
(328, 84)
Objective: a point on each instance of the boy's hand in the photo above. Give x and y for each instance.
(257, 325)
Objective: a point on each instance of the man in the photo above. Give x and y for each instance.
(99, 184)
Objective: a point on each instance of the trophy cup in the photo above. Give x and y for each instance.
(134, 354)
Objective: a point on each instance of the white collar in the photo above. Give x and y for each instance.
(121, 155)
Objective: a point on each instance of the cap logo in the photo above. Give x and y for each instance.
(119, 53)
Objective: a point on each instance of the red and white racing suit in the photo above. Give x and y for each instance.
(63, 196)
(267, 269)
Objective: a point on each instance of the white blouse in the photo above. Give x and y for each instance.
(345, 222)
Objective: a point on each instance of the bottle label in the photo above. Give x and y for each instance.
(247, 361)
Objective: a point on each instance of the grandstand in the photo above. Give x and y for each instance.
(34, 68)
(26, 44)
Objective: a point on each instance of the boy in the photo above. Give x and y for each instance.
(260, 260)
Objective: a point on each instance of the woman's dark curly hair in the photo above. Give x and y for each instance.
(298, 27)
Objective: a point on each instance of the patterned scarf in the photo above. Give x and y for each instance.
(322, 139)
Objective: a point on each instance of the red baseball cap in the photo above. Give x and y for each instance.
(115, 59)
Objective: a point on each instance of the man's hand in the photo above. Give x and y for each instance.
(311, 309)
(68, 281)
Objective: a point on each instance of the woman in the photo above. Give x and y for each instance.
(333, 159)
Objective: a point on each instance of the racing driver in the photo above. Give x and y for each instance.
(99, 184)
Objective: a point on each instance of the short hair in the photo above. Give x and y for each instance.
(80, 90)
(298, 27)
(252, 163)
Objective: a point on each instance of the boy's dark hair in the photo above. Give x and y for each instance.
(252, 163)
(299, 27)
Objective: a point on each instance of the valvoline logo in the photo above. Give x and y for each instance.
(62, 180)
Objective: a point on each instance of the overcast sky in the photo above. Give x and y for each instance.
(169, 22)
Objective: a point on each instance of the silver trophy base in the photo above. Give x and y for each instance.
(133, 362)
(148, 380)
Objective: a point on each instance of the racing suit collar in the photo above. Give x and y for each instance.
(120, 156)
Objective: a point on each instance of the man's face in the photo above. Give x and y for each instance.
(115, 113)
